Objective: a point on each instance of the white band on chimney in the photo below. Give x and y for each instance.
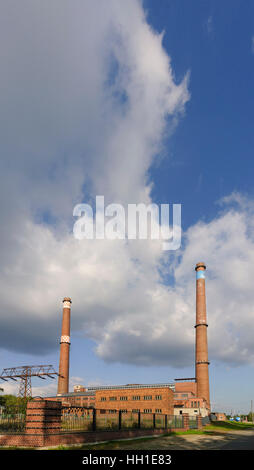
(66, 304)
(65, 339)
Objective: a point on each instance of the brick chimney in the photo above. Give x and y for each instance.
(63, 379)
(201, 354)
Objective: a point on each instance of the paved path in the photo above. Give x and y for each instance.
(245, 441)
(235, 440)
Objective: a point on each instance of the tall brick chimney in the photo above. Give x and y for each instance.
(63, 379)
(201, 356)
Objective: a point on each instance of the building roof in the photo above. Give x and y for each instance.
(75, 394)
(131, 386)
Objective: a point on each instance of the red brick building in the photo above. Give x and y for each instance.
(146, 398)
(82, 398)
(168, 398)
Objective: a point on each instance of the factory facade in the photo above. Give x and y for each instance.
(146, 398)
(188, 395)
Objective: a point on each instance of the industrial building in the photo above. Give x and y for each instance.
(188, 395)
(146, 398)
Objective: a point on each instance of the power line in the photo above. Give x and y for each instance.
(25, 373)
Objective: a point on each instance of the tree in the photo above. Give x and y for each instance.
(13, 405)
(250, 416)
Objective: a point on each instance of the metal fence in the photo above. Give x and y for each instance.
(110, 420)
(12, 419)
(175, 421)
(205, 420)
(193, 422)
(81, 419)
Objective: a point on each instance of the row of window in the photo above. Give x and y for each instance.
(134, 397)
(195, 404)
(157, 410)
(137, 410)
(80, 399)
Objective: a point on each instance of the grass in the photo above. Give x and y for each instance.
(227, 426)
(218, 427)
(16, 448)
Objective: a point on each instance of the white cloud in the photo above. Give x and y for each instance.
(209, 26)
(86, 99)
(120, 302)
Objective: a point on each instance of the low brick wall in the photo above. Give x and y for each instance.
(65, 438)
(86, 437)
(22, 440)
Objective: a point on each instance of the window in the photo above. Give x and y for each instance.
(147, 410)
(103, 398)
(185, 395)
(136, 410)
(195, 411)
(123, 411)
(112, 411)
(136, 397)
(158, 397)
(124, 398)
(148, 397)
(157, 410)
(112, 398)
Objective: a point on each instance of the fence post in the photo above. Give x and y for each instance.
(185, 421)
(94, 419)
(199, 422)
(43, 417)
(120, 420)
(154, 422)
(166, 421)
(139, 420)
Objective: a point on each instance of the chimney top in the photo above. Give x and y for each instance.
(200, 265)
(67, 299)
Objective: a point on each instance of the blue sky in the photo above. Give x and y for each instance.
(171, 122)
(212, 148)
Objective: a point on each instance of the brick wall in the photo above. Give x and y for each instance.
(136, 399)
(186, 387)
(24, 440)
